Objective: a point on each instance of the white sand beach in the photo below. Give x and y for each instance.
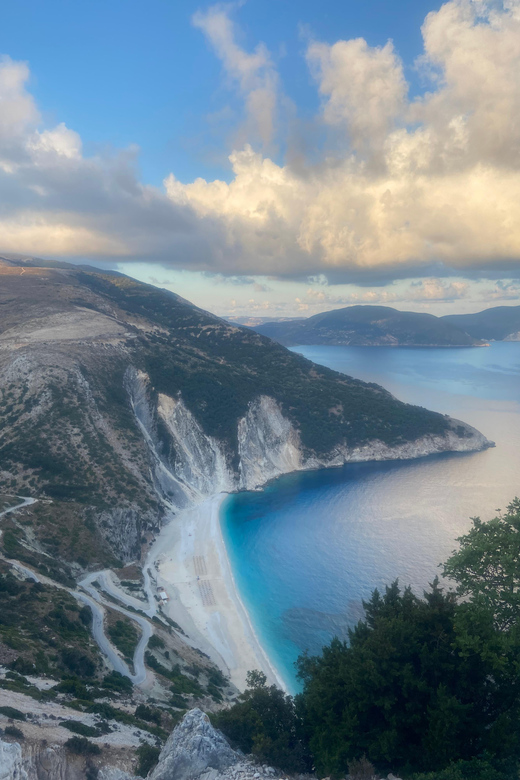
(192, 566)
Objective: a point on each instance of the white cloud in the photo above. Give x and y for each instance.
(424, 291)
(253, 72)
(418, 185)
(364, 88)
(431, 181)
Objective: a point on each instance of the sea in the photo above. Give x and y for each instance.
(308, 548)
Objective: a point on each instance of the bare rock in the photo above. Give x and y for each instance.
(11, 766)
(193, 748)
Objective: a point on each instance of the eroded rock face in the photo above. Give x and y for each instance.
(268, 444)
(11, 767)
(192, 749)
(37, 761)
(193, 466)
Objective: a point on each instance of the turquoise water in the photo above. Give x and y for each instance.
(309, 547)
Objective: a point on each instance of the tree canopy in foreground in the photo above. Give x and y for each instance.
(428, 688)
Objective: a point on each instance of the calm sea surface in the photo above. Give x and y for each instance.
(310, 546)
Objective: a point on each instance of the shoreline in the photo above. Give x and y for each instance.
(192, 565)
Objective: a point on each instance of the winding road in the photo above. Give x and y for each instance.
(95, 601)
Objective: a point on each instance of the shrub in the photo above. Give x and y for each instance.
(148, 757)
(82, 746)
(74, 686)
(78, 662)
(155, 642)
(11, 712)
(115, 681)
(13, 731)
(125, 637)
(80, 728)
(22, 666)
(475, 769)
(147, 713)
(361, 769)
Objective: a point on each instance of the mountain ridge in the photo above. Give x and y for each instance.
(369, 326)
(498, 323)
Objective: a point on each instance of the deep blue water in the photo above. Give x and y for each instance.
(308, 548)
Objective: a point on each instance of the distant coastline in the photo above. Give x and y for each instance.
(395, 346)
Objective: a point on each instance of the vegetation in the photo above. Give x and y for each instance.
(486, 565)
(125, 636)
(428, 688)
(265, 723)
(421, 683)
(82, 746)
(220, 368)
(81, 728)
(181, 682)
(14, 731)
(148, 757)
(368, 325)
(12, 712)
(46, 627)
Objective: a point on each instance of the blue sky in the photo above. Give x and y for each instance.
(131, 72)
(269, 158)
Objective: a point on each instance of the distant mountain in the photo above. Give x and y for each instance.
(500, 323)
(253, 322)
(369, 326)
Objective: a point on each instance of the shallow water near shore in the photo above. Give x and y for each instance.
(309, 547)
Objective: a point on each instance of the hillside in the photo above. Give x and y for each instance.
(121, 405)
(500, 323)
(88, 359)
(369, 326)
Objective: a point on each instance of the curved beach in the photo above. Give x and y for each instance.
(193, 567)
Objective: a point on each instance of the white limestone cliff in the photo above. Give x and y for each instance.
(268, 444)
(192, 465)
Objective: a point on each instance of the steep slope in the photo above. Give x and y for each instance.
(500, 323)
(369, 326)
(119, 399)
(120, 404)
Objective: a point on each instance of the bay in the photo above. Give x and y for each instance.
(310, 546)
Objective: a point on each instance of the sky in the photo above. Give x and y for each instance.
(267, 158)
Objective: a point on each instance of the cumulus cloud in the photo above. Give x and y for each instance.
(426, 183)
(422, 292)
(504, 290)
(363, 86)
(56, 201)
(254, 72)
(431, 181)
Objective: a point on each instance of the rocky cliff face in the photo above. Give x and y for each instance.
(190, 466)
(37, 761)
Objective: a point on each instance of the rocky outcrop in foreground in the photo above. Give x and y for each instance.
(194, 751)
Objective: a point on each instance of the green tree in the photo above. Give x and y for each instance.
(487, 565)
(421, 683)
(265, 723)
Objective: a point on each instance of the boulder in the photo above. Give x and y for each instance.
(193, 748)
